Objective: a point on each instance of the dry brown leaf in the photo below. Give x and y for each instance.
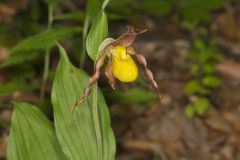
(229, 68)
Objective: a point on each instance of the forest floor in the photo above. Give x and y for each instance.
(161, 131)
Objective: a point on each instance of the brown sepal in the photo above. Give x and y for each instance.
(109, 74)
(147, 72)
(128, 38)
(99, 63)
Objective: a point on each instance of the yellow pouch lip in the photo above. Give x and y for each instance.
(120, 52)
(124, 70)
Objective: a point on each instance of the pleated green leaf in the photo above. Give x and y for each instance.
(80, 133)
(32, 136)
(44, 39)
(7, 89)
(96, 35)
(19, 58)
(135, 95)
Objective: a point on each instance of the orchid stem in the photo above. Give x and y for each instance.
(47, 56)
(96, 122)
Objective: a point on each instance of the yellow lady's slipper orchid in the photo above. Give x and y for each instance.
(123, 66)
(120, 63)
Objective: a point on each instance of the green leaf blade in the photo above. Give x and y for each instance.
(211, 81)
(193, 87)
(76, 133)
(32, 136)
(189, 110)
(44, 39)
(10, 87)
(201, 105)
(93, 8)
(19, 58)
(96, 35)
(135, 95)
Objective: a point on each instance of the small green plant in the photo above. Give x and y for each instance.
(203, 58)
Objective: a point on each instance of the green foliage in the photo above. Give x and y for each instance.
(211, 81)
(32, 136)
(135, 95)
(208, 68)
(201, 105)
(105, 3)
(26, 50)
(193, 10)
(189, 111)
(27, 71)
(77, 141)
(93, 9)
(116, 6)
(99, 29)
(96, 35)
(199, 44)
(73, 16)
(196, 10)
(17, 58)
(8, 88)
(198, 107)
(51, 2)
(156, 7)
(76, 133)
(204, 4)
(45, 39)
(196, 14)
(87, 134)
(203, 57)
(194, 86)
(123, 10)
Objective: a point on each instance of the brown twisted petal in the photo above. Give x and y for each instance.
(109, 74)
(148, 74)
(94, 77)
(128, 38)
(132, 29)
